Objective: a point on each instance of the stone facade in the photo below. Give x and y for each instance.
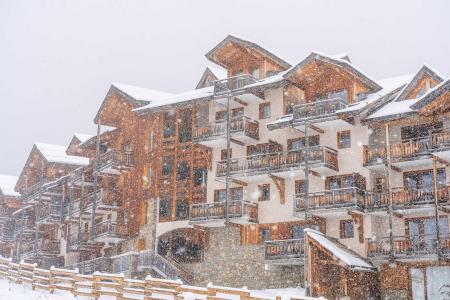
(228, 262)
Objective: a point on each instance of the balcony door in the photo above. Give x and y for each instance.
(422, 233)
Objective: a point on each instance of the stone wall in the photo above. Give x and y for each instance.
(227, 262)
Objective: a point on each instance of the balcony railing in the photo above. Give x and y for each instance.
(407, 149)
(216, 130)
(103, 199)
(414, 197)
(100, 264)
(407, 246)
(110, 229)
(216, 210)
(232, 84)
(284, 249)
(337, 198)
(280, 161)
(115, 159)
(50, 213)
(7, 230)
(318, 109)
(26, 223)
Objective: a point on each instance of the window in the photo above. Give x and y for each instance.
(182, 210)
(265, 234)
(255, 73)
(185, 126)
(223, 154)
(346, 229)
(264, 110)
(344, 139)
(300, 187)
(264, 192)
(417, 180)
(149, 177)
(235, 194)
(200, 176)
(299, 143)
(167, 165)
(183, 171)
(150, 140)
(169, 124)
(164, 207)
(339, 94)
(236, 113)
(419, 131)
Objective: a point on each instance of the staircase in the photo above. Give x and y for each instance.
(166, 268)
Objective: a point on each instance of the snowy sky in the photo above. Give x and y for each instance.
(58, 57)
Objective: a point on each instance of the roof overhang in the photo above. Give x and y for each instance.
(244, 46)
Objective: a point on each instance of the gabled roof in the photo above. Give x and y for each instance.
(215, 73)
(350, 259)
(245, 43)
(193, 95)
(82, 137)
(57, 154)
(434, 93)
(136, 96)
(340, 62)
(7, 184)
(424, 70)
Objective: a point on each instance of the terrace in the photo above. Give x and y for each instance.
(321, 159)
(237, 210)
(242, 129)
(284, 252)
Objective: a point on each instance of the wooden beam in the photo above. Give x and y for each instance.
(281, 186)
(318, 129)
(240, 182)
(240, 101)
(237, 142)
(314, 173)
(396, 169)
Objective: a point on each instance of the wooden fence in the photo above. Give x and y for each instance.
(117, 285)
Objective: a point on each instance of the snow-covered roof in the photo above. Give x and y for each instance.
(140, 93)
(246, 43)
(348, 257)
(83, 137)
(7, 184)
(219, 72)
(388, 86)
(341, 62)
(394, 108)
(432, 94)
(57, 154)
(198, 94)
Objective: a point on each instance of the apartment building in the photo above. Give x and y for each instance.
(267, 174)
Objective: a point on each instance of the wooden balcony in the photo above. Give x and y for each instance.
(409, 153)
(242, 130)
(407, 247)
(345, 198)
(236, 87)
(24, 224)
(285, 252)
(114, 162)
(100, 264)
(106, 201)
(237, 210)
(321, 159)
(323, 112)
(50, 213)
(404, 198)
(7, 226)
(43, 247)
(109, 232)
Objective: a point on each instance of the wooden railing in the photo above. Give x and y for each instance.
(70, 282)
(109, 228)
(115, 159)
(408, 197)
(284, 249)
(241, 124)
(407, 246)
(407, 149)
(280, 161)
(216, 210)
(318, 109)
(345, 197)
(232, 84)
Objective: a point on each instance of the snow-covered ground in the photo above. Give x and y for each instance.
(11, 291)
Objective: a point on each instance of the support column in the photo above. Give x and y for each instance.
(389, 183)
(227, 177)
(436, 212)
(95, 185)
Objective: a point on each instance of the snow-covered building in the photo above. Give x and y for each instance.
(327, 175)
(9, 202)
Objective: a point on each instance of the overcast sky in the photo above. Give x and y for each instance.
(57, 58)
